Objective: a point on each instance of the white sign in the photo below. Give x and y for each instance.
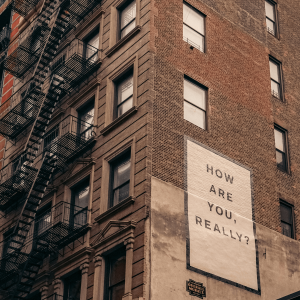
(219, 202)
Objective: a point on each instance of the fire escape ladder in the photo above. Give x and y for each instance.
(30, 268)
(24, 257)
(18, 257)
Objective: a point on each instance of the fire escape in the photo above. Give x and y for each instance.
(50, 74)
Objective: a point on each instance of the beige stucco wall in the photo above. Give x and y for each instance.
(278, 255)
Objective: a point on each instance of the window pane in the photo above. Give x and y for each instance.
(194, 115)
(125, 106)
(271, 26)
(82, 196)
(92, 46)
(274, 71)
(118, 271)
(270, 11)
(286, 229)
(43, 222)
(128, 14)
(127, 29)
(286, 213)
(117, 292)
(280, 159)
(275, 89)
(194, 94)
(86, 121)
(117, 275)
(193, 19)
(121, 193)
(125, 89)
(279, 140)
(121, 173)
(72, 287)
(193, 38)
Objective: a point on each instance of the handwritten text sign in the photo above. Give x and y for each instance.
(221, 235)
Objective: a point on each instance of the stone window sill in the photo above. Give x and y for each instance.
(115, 209)
(123, 40)
(119, 120)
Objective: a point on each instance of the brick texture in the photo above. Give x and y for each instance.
(241, 111)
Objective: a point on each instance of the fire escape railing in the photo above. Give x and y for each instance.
(79, 9)
(66, 140)
(24, 7)
(21, 112)
(71, 138)
(70, 67)
(75, 63)
(56, 227)
(16, 179)
(30, 47)
(33, 237)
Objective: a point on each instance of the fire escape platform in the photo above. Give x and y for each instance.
(14, 187)
(68, 147)
(22, 59)
(19, 117)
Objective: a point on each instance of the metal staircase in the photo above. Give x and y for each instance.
(16, 259)
(25, 179)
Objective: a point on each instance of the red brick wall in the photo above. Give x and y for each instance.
(8, 78)
(241, 112)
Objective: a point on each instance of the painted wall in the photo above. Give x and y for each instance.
(277, 254)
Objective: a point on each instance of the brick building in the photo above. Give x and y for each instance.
(149, 149)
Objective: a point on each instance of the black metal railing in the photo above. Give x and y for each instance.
(24, 57)
(63, 215)
(75, 63)
(68, 139)
(79, 9)
(20, 110)
(55, 227)
(16, 179)
(23, 7)
(48, 233)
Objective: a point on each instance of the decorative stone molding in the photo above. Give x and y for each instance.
(57, 286)
(129, 243)
(44, 292)
(98, 261)
(84, 268)
(114, 232)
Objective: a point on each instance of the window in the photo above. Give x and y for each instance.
(51, 136)
(123, 94)
(115, 275)
(287, 216)
(270, 17)
(5, 25)
(281, 151)
(120, 178)
(127, 18)
(193, 27)
(195, 103)
(79, 203)
(91, 46)
(86, 120)
(42, 220)
(275, 73)
(72, 286)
